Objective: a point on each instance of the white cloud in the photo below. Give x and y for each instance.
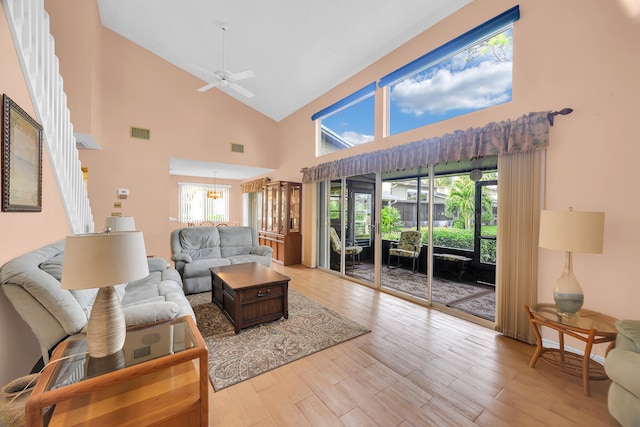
(472, 88)
(356, 138)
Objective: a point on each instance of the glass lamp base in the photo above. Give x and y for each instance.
(568, 304)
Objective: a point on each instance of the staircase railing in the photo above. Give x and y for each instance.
(29, 23)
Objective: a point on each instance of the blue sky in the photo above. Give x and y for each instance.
(455, 86)
(450, 88)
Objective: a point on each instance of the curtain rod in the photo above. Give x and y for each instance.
(551, 115)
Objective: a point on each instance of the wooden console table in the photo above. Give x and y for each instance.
(152, 381)
(588, 326)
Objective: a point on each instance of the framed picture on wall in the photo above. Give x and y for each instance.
(21, 160)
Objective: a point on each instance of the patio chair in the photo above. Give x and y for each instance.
(408, 246)
(336, 244)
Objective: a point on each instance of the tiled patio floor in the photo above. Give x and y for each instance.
(475, 299)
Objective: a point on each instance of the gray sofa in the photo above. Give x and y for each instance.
(622, 365)
(196, 249)
(32, 284)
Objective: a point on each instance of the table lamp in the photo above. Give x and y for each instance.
(120, 223)
(102, 260)
(571, 231)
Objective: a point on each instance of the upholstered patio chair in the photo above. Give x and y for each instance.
(408, 246)
(336, 244)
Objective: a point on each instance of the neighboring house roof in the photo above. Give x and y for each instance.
(330, 137)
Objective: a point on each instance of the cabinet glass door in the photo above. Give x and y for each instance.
(294, 208)
(274, 198)
(284, 211)
(268, 210)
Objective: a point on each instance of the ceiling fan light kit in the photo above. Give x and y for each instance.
(225, 78)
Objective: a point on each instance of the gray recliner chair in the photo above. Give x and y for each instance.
(622, 365)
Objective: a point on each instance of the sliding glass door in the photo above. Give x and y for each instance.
(347, 226)
(428, 237)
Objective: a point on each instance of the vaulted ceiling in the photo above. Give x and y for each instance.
(297, 49)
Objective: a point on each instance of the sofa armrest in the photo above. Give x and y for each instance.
(138, 314)
(628, 335)
(622, 366)
(182, 257)
(262, 250)
(156, 264)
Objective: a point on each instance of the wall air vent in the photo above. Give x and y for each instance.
(237, 148)
(139, 133)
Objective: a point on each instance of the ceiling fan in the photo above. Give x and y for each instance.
(223, 78)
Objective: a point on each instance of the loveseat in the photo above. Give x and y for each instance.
(32, 284)
(623, 367)
(196, 249)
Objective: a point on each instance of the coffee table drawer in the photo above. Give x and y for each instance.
(260, 311)
(266, 292)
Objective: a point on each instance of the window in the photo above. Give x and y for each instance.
(197, 204)
(347, 123)
(471, 72)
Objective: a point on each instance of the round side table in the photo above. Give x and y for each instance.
(588, 326)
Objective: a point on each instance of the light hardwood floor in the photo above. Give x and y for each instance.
(417, 367)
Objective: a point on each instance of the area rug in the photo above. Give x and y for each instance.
(478, 300)
(311, 327)
(481, 305)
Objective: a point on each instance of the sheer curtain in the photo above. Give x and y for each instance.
(517, 253)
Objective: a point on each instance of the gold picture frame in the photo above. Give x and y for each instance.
(21, 160)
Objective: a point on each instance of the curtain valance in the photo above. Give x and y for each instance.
(527, 133)
(255, 185)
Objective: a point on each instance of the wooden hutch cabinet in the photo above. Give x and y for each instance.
(281, 202)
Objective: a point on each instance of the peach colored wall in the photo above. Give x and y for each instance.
(137, 88)
(582, 56)
(22, 232)
(81, 80)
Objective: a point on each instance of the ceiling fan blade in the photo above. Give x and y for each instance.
(209, 86)
(241, 90)
(247, 74)
(201, 73)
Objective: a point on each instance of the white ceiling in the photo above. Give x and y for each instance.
(298, 49)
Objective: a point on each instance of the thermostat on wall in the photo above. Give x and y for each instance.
(123, 192)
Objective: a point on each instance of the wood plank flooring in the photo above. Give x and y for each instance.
(418, 367)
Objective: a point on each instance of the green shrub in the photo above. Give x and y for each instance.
(488, 251)
(390, 220)
(452, 238)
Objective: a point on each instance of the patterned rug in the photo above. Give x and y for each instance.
(311, 327)
(477, 300)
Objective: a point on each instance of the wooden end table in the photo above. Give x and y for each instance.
(588, 326)
(156, 365)
(250, 293)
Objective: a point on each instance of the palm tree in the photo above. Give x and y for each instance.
(461, 200)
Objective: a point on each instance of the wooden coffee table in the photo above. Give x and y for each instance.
(250, 293)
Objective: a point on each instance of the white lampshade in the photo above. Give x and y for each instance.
(120, 223)
(103, 259)
(572, 231)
